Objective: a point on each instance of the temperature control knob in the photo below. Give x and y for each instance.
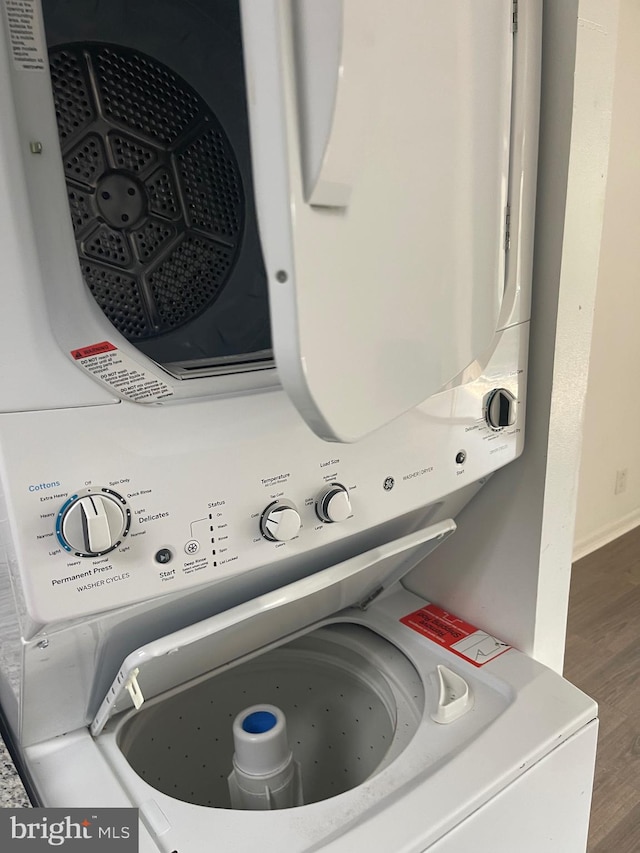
(93, 522)
(500, 409)
(280, 521)
(333, 504)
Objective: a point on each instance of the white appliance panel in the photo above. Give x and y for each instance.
(546, 810)
(33, 370)
(197, 487)
(387, 280)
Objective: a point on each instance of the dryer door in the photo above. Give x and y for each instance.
(380, 143)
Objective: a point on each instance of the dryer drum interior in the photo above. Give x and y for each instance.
(152, 120)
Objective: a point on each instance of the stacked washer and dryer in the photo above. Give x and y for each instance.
(265, 331)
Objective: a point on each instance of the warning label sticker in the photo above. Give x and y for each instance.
(25, 36)
(452, 633)
(121, 373)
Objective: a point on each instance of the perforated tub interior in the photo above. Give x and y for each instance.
(352, 702)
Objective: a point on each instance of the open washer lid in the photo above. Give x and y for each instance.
(381, 148)
(252, 626)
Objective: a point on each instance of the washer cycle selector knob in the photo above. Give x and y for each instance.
(93, 522)
(500, 410)
(333, 504)
(280, 521)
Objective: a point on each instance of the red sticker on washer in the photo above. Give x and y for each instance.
(94, 349)
(459, 637)
(121, 373)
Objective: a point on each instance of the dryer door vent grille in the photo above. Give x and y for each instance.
(155, 192)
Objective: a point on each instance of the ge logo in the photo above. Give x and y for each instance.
(388, 484)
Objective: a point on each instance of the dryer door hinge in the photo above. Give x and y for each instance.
(514, 16)
(507, 228)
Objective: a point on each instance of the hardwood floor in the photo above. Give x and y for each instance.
(603, 659)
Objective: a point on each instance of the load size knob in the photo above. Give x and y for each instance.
(280, 521)
(93, 522)
(333, 504)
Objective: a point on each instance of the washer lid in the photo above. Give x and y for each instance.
(252, 626)
(381, 147)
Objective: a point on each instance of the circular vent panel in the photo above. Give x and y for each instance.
(155, 191)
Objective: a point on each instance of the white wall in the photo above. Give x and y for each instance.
(508, 566)
(612, 435)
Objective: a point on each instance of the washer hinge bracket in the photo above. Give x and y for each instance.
(370, 598)
(133, 689)
(507, 228)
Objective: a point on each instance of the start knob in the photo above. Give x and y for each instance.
(333, 504)
(93, 522)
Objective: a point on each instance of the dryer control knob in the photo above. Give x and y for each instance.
(333, 504)
(93, 522)
(280, 521)
(500, 409)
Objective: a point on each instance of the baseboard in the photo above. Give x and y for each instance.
(605, 535)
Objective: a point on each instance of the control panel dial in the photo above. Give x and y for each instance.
(500, 410)
(333, 504)
(93, 522)
(280, 521)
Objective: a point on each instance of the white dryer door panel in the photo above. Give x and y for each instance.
(380, 137)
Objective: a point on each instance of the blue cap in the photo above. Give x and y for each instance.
(259, 722)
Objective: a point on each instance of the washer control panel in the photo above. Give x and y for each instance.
(147, 501)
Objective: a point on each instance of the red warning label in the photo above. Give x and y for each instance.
(121, 373)
(459, 637)
(94, 349)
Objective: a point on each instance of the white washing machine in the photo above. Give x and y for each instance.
(265, 334)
